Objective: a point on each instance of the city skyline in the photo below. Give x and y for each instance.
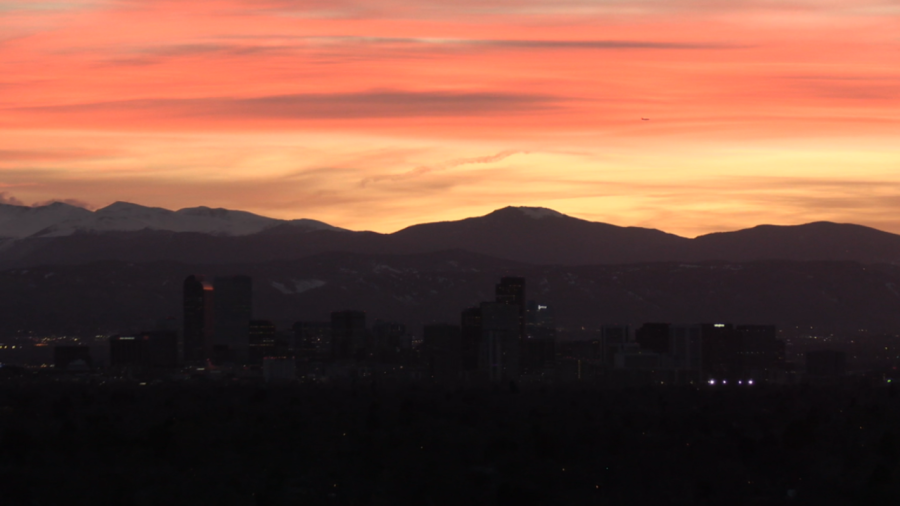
(380, 115)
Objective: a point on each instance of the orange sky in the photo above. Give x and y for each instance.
(379, 114)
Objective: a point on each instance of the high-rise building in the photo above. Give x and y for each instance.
(312, 341)
(653, 337)
(470, 339)
(198, 319)
(511, 291)
(262, 341)
(127, 350)
(390, 342)
(721, 344)
(686, 350)
(500, 341)
(441, 350)
(615, 339)
(538, 353)
(348, 335)
(233, 312)
(157, 349)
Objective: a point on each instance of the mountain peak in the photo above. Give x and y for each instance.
(531, 212)
(120, 207)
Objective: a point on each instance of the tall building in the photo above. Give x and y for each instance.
(198, 318)
(615, 339)
(470, 338)
(686, 350)
(538, 354)
(312, 341)
(127, 351)
(390, 342)
(721, 344)
(500, 342)
(653, 337)
(441, 350)
(262, 341)
(233, 312)
(157, 349)
(511, 291)
(348, 335)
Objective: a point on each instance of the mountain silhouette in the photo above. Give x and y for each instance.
(523, 234)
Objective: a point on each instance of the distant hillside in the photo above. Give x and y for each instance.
(538, 236)
(434, 287)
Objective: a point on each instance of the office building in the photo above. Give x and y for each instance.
(500, 342)
(653, 337)
(686, 351)
(348, 335)
(157, 349)
(511, 291)
(615, 339)
(442, 351)
(197, 333)
(470, 338)
(390, 343)
(262, 341)
(233, 312)
(312, 341)
(538, 353)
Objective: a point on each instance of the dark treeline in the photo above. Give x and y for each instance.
(122, 444)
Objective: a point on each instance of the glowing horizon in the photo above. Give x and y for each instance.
(382, 114)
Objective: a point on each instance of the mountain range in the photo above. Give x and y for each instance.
(67, 270)
(63, 234)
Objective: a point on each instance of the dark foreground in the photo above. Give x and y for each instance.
(187, 443)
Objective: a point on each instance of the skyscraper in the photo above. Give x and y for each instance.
(470, 340)
(685, 347)
(441, 351)
(348, 335)
(390, 343)
(198, 318)
(538, 354)
(262, 341)
(511, 291)
(653, 337)
(312, 340)
(234, 310)
(500, 342)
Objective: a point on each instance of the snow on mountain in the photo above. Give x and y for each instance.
(57, 220)
(23, 221)
(540, 212)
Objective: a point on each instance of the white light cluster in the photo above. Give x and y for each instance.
(725, 382)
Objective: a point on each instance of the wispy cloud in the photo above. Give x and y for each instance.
(8, 199)
(373, 104)
(450, 164)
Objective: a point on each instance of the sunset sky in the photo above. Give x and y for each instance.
(380, 114)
